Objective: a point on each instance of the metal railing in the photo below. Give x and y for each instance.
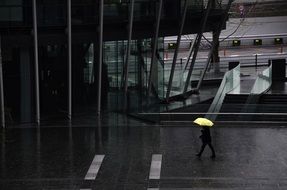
(263, 82)
(230, 82)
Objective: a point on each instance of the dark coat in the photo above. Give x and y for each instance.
(205, 136)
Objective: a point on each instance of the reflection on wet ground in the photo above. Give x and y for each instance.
(60, 156)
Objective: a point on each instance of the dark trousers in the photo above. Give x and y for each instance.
(210, 146)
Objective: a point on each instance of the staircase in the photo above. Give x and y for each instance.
(232, 103)
(186, 114)
(272, 103)
(267, 105)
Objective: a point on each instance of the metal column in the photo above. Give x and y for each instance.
(36, 63)
(190, 52)
(214, 43)
(69, 60)
(197, 43)
(2, 91)
(100, 56)
(176, 51)
(126, 73)
(154, 46)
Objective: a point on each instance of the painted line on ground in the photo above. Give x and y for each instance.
(95, 167)
(155, 167)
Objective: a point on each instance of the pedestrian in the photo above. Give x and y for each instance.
(206, 140)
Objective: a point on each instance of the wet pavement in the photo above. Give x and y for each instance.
(116, 152)
(59, 156)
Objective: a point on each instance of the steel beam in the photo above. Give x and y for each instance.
(197, 43)
(69, 24)
(126, 70)
(192, 46)
(127, 57)
(35, 32)
(100, 56)
(154, 46)
(2, 91)
(214, 43)
(176, 51)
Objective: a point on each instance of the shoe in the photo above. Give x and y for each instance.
(198, 155)
(213, 156)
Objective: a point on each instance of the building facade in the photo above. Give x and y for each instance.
(62, 58)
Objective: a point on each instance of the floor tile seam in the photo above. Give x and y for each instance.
(245, 181)
(190, 122)
(148, 183)
(78, 127)
(230, 126)
(213, 185)
(42, 179)
(120, 183)
(210, 183)
(78, 182)
(217, 183)
(275, 179)
(144, 124)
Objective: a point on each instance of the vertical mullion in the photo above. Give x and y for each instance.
(203, 24)
(2, 91)
(154, 46)
(176, 51)
(69, 24)
(35, 31)
(214, 43)
(126, 70)
(100, 51)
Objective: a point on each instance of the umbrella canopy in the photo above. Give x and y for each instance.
(203, 122)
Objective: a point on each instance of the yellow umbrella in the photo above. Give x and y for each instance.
(203, 122)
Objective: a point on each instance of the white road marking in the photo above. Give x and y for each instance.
(155, 166)
(95, 167)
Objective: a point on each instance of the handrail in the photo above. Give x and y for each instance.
(263, 82)
(230, 81)
(262, 36)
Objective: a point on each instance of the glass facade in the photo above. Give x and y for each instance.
(16, 27)
(138, 69)
(11, 10)
(18, 70)
(53, 12)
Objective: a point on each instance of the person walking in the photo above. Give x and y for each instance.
(206, 140)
